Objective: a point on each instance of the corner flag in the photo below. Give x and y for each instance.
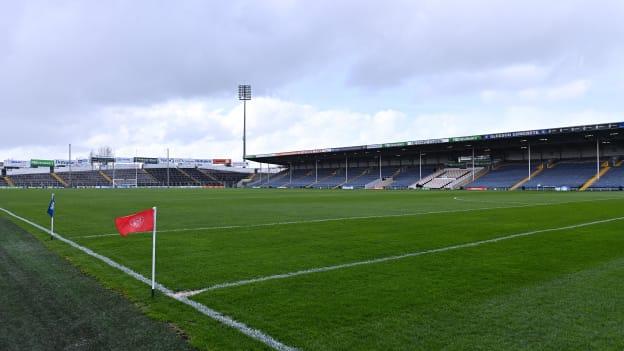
(141, 222)
(135, 223)
(51, 207)
(50, 211)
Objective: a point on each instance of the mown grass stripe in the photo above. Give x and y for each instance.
(323, 220)
(388, 258)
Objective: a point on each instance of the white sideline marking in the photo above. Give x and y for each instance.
(219, 317)
(357, 217)
(388, 258)
(496, 202)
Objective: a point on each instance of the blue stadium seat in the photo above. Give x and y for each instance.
(614, 179)
(505, 176)
(569, 174)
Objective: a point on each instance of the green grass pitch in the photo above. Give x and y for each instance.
(558, 285)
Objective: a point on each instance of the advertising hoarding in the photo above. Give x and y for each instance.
(34, 163)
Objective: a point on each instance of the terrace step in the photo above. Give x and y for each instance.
(211, 176)
(322, 179)
(295, 179)
(59, 179)
(189, 176)
(279, 176)
(427, 179)
(150, 175)
(539, 170)
(108, 179)
(364, 172)
(479, 172)
(9, 181)
(593, 179)
(396, 173)
(242, 182)
(379, 184)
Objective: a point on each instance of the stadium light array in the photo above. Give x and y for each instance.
(244, 94)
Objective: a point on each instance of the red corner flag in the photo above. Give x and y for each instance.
(138, 222)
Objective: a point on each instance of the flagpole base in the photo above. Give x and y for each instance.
(152, 293)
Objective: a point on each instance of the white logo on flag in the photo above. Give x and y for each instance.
(136, 222)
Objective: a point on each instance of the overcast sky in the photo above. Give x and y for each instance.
(143, 76)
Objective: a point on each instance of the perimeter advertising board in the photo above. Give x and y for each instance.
(16, 164)
(34, 163)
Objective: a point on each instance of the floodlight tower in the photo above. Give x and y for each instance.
(244, 94)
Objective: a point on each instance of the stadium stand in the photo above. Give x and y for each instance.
(565, 158)
(407, 176)
(143, 179)
(84, 178)
(612, 179)
(42, 180)
(504, 176)
(226, 177)
(277, 180)
(329, 178)
(176, 178)
(256, 180)
(448, 178)
(200, 177)
(571, 174)
(359, 177)
(301, 178)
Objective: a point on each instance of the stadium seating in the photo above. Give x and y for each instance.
(358, 177)
(277, 179)
(301, 178)
(410, 175)
(613, 179)
(329, 178)
(3, 182)
(438, 183)
(175, 177)
(257, 180)
(143, 179)
(224, 176)
(568, 174)
(202, 178)
(448, 178)
(84, 178)
(42, 180)
(504, 176)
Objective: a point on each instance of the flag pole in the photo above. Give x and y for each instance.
(154, 253)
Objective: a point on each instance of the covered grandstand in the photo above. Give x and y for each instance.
(585, 157)
(122, 172)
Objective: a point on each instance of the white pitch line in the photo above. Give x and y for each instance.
(216, 315)
(321, 220)
(494, 202)
(388, 258)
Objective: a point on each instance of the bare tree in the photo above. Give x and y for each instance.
(105, 151)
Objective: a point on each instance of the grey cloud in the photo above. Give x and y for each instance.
(433, 39)
(61, 62)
